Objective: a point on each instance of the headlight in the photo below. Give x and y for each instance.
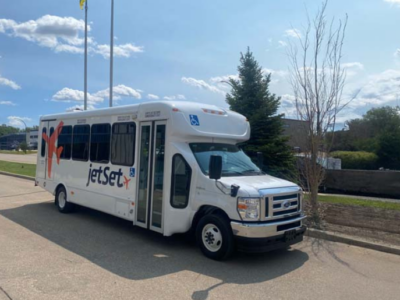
(249, 208)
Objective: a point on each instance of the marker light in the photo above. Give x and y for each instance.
(214, 111)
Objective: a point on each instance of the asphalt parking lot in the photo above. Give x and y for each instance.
(90, 255)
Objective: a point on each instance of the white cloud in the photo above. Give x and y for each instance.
(288, 106)
(68, 95)
(119, 91)
(397, 53)
(10, 103)
(225, 78)
(152, 97)
(79, 108)
(48, 31)
(177, 97)
(294, 33)
(201, 84)
(393, 1)
(125, 50)
(68, 49)
(9, 83)
(353, 65)
(71, 95)
(282, 44)
(16, 121)
(279, 73)
(380, 89)
(347, 115)
(62, 34)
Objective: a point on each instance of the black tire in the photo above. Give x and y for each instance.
(215, 229)
(61, 201)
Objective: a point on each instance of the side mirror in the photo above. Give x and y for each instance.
(215, 167)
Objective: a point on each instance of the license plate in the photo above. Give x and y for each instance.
(290, 235)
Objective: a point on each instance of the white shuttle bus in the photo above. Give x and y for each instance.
(170, 167)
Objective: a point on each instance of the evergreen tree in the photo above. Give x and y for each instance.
(250, 97)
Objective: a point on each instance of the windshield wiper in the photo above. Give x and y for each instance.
(252, 171)
(231, 172)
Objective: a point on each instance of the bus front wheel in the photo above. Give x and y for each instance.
(214, 237)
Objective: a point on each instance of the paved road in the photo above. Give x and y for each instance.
(89, 255)
(27, 159)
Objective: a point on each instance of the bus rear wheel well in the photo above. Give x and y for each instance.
(207, 210)
(60, 185)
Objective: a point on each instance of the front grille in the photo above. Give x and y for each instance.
(282, 205)
(285, 212)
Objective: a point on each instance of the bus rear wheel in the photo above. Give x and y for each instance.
(61, 201)
(214, 237)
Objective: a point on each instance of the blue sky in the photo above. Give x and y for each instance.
(180, 50)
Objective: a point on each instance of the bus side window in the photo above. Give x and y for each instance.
(65, 141)
(123, 144)
(100, 143)
(80, 142)
(43, 147)
(181, 178)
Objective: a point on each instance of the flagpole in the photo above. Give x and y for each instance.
(111, 53)
(85, 84)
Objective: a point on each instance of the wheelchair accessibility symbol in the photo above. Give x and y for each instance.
(194, 120)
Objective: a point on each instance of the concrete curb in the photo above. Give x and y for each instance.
(350, 240)
(17, 175)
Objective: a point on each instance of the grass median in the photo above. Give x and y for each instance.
(359, 202)
(17, 152)
(18, 168)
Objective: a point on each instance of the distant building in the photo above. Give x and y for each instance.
(12, 141)
(297, 132)
(32, 139)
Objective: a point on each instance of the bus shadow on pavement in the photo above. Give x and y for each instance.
(137, 254)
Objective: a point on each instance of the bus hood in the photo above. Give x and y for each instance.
(252, 184)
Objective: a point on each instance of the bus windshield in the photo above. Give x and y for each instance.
(234, 161)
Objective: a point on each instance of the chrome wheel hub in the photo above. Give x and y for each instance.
(61, 199)
(212, 237)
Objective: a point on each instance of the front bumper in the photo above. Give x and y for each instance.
(263, 230)
(267, 236)
(260, 245)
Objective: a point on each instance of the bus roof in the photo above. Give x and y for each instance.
(188, 118)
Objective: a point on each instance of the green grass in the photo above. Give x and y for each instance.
(360, 202)
(18, 168)
(17, 152)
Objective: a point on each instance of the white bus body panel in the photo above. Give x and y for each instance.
(89, 184)
(215, 125)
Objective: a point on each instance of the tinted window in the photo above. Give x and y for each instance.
(43, 147)
(123, 144)
(180, 186)
(65, 141)
(80, 146)
(100, 143)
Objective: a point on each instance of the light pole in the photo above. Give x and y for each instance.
(111, 52)
(26, 130)
(85, 68)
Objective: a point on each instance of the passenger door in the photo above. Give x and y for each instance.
(47, 149)
(150, 195)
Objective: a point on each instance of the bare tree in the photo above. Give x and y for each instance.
(317, 79)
